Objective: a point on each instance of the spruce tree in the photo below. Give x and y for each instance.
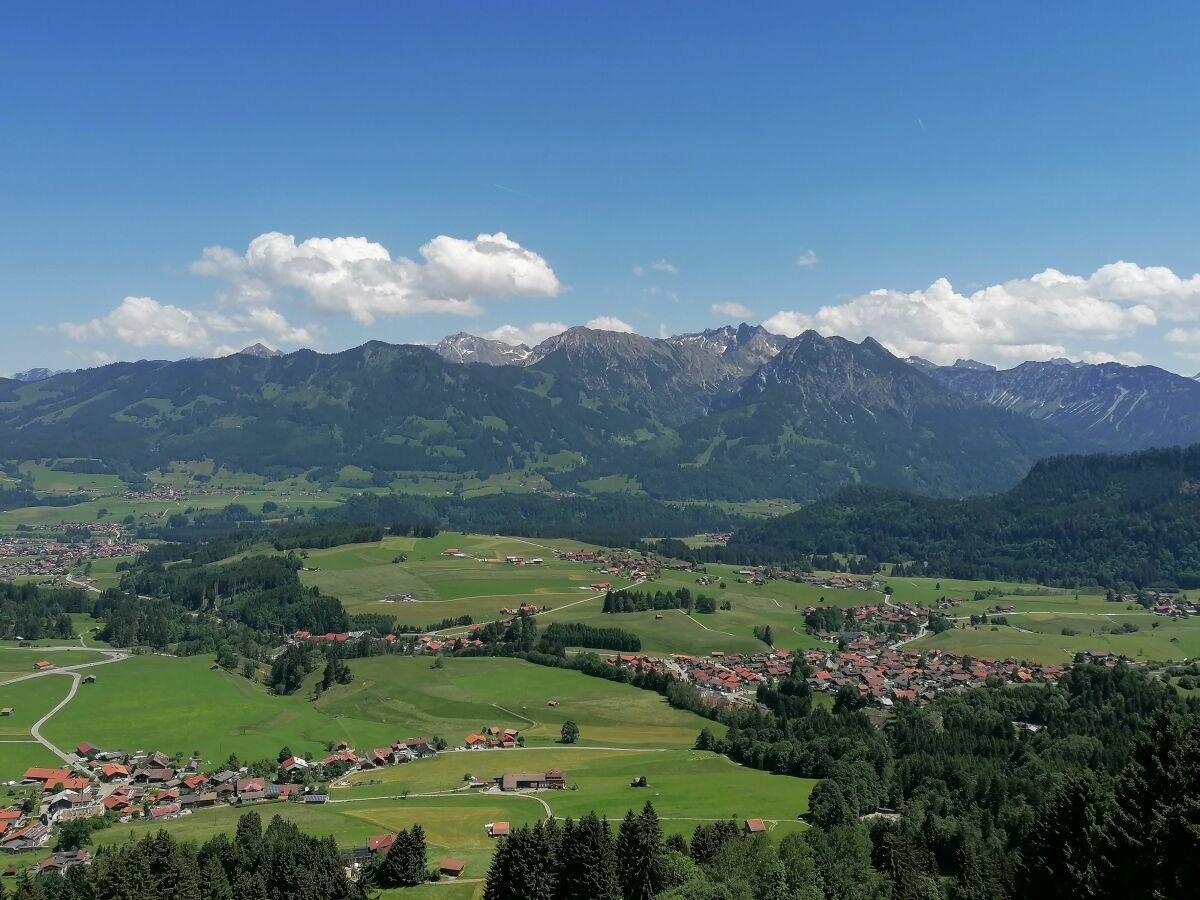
(216, 883)
(587, 863)
(389, 871)
(505, 878)
(639, 854)
(1157, 815)
(415, 865)
(1066, 852)
(249, 885)
(28, 889)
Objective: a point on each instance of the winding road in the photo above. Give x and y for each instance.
(111, 656)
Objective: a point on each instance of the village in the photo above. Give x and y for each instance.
(31, 557)
(154, 787)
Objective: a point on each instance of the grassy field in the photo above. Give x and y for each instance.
(30, 700)
(480, 585)
(179, 705)
(469, 694)
(16, 661)
(682, 784)
(361, 575)
(1039, 637)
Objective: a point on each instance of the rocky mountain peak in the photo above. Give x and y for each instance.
(464, 348)
(261, 350)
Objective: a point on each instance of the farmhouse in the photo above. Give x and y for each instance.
(61, 861)
(532, 781)
(497, 829)
(381, 843)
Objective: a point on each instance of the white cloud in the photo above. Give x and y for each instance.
(788, 323)
(529, 335)
(1030, 318)
(659, 265)
(1125, 357)
(1184, 335)
(610, 323)
(1176, 298)
(359, 278)
(144, 322)
(807, 259)
(732, 310)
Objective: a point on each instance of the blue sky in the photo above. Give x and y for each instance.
(777, 162)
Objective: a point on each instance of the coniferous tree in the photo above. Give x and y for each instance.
(1066, 853)
(216, 882)
(249, 885)
(1157, 814)
(639, 854)
(28, 888)
(415, 865)
(587, 864)
(75, 885)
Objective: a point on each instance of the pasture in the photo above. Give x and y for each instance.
(682, 784)
(1039, 637)
(179, 705)
(469, 694)
(17, 661)
(362, 575)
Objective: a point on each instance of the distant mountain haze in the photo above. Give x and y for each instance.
(727, 413)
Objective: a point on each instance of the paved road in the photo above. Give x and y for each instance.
(36, 730)
(111, 656)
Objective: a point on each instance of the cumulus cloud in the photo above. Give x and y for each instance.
(788, 323)
(1030, 318)
(1184, 335)
(732, 310)
(807, 259)
(358, 277)
(144, 322)
(610, 323)
(529, 335)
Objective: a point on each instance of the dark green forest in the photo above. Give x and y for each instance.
(1120, 521)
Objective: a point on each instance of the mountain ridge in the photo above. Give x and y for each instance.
(726, 413)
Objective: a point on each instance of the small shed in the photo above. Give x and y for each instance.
(451, 868)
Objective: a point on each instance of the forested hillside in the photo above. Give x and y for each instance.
(1116, 521)
(732, 414)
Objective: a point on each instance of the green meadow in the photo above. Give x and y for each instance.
(362, 575)
(471, 693)
(682, 784)
(179, 705)
(16, 661)
(1039, 637)
(30, 700)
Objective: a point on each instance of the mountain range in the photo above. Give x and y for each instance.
(729, 413)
